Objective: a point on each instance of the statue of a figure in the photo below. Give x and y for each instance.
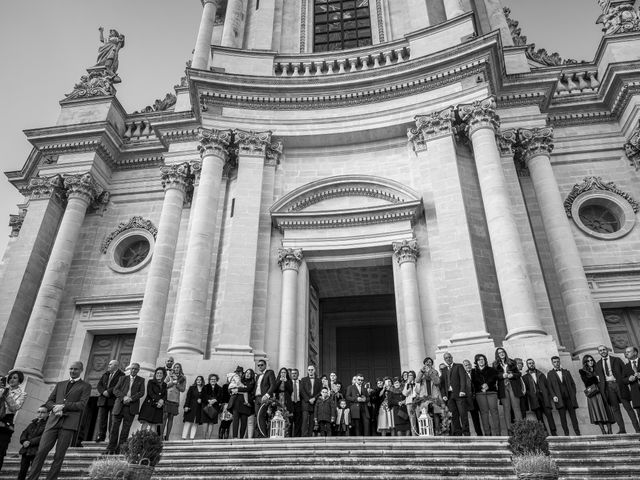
(108, 52)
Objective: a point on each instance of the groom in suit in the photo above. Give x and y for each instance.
(128, 392)
(310, 387)
(65, 405)
(358, 397)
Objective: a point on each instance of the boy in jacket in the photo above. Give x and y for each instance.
(30, 439)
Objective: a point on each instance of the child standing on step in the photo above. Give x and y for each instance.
(323, 413)
(343, 419)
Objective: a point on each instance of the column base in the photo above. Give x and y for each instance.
(184, 349)
(37, 394)
(466, 345)
(539, 347)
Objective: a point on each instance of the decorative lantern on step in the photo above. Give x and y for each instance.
(277, 425)
(425, 424)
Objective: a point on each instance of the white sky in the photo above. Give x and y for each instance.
(45, 45)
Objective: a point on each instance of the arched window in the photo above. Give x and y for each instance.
(341, 24)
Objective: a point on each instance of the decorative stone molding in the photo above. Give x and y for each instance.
(15, 222)
(214, 142)
(45, 187)
(429, 127)
(252, 143)
(82, 186)
(632, 147)
(274, 153)
(618, 16)
(507, 140)
(535, 141)
(596, 184)
(380, 18)
(289, 258)
(160, 105)
(477, 115)
(135, 223)
(176, 176)
(303, 26)
(406, 251)
(97, 83)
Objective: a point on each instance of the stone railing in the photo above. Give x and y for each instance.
(138, 130)
(577, 82)
(343, 61)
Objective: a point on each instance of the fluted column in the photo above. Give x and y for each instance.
(406, 254)
(453, 8)
(191, 317)
(234, 22)
(480, 122)
(289, 260)
(156, 293)
(81, 190)
(202, 51)
(536, 146)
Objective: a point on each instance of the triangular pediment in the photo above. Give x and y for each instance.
(346, 200)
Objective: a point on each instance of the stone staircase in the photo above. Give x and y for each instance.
(371, 458)
(602, 457)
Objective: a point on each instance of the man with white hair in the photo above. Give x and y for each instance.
(128, 392)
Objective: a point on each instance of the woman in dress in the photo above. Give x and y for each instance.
(152, 408)
(397, 402)
(409, 392)
(176, 384)
(193, 409)
(509, 386)
(211, 397)
(12, 395)
(599, 410)
(485, 385)
(385, 413)
(284, 389)
(242, 410)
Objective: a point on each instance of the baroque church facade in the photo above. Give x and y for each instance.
(337, 183)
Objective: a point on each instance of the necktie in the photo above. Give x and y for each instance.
(635, 366)
(130, 385)
(295, 391)
(69, 385)
(607, 370)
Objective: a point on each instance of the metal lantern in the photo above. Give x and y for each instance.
(277, 425)
(425, 424)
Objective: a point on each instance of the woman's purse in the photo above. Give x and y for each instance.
(210, 411)
(591, 390)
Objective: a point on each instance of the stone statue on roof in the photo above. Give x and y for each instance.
(108, 52)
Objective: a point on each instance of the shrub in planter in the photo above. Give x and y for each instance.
(528, 436)
(143, 445)
(109, 468)
(535, 466)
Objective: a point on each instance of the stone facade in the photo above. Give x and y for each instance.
(432, 165)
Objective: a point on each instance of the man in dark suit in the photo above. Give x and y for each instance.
(610, 372)
(265, 385)
(357, 399)
(632, 376)
(128, 392)
(105, 387)
(563, 394)
(538, 395)
(65, 405)
(472, 405)
(296, 402)
(456, 393)
(310, 388)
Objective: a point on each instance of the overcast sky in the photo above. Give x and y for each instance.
(46, 45)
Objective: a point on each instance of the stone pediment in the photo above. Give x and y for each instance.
(343, 201)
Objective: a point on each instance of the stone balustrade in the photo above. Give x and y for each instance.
(344, 61)
(577, 82)
(138, 130)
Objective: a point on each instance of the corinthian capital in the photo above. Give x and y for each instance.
(214, 142)
(274, 153)
(82, 186)
(175, 176)
(252, 143)
(430, 126)
(45, 187)
(479, 114)
(289, 258)
(632, 147)
(406, 251)
(535, 141)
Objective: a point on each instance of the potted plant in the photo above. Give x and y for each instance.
(142, 451)
(109, 468)
(530, 448)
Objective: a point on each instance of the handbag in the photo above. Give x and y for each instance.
(210, 411)
(591, 390)
(403, 415)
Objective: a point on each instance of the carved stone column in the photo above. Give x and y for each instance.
(536, 146)
(146, 348)
(481, 122)
(191, 317)
(406, 254)
(453, 8)
(289, 260)
(236, 312)
(202, 51)
(234, 22)
(81, 191)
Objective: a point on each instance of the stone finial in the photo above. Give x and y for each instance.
(252, 143)
(430, 126)
(479, 114)
(406, 251)
(618, 16)
(632, 147)
(82, 186)
(176, 176)
(45, 187)
(535, 141)
(214, 142)
(289, 258)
